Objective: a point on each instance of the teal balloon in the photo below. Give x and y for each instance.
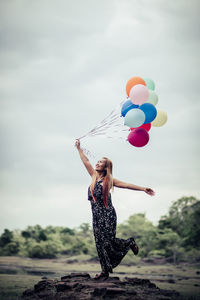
(150, 83)
(134, 118)
(153, 97)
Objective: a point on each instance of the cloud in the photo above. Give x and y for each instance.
(64, 67)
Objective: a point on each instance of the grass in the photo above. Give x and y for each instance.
(12, 285)
(18, 274)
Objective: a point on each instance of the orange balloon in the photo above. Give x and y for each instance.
(133, 81)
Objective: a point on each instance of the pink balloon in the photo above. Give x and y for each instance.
(139, 94)
(138, 137)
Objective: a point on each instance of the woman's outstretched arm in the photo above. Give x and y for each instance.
(125, 185)
(84, 159)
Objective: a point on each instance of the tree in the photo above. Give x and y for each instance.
(6, 237)
(35, 232)
(68, 230)
(85, 230)
(142, 230)
(169, 241)
(183, 218)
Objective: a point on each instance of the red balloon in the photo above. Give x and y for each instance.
(147, 127)
(138, 137)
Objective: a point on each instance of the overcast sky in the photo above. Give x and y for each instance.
(64, 67)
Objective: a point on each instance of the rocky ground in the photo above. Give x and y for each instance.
(80, 286)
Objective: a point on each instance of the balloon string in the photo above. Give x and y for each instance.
(88, 153)
(106, 123)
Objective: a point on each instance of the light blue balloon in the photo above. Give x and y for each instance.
(134, 118)
(150, 112)
(150, 83)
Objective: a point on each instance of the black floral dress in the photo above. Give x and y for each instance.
(110, 249)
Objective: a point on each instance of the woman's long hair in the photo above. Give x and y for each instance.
(107, 182)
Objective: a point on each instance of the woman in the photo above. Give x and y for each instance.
(110, 249)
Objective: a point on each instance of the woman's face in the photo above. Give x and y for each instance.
(100, 165)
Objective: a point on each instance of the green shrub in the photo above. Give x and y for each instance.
(42, 250)
(10, 249)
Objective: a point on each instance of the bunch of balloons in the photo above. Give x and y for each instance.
(139, 110)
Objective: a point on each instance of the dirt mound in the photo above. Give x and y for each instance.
(80, 286)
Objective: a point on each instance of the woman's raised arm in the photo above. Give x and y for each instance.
(84, 159)
(125, 185)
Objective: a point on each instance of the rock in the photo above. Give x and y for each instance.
(62, 286)
(80, 286)
(76, 275)
(137, 281)
(28, 292)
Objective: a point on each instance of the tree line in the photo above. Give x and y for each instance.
(175, 238)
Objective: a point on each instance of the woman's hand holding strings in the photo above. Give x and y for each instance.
(78, 144)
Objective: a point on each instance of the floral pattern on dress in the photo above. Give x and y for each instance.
(111, 250)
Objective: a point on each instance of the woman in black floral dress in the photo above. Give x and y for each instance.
(110, 249)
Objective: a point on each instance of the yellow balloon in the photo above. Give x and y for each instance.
(160, 119)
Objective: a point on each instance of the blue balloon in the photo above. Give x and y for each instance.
(149, 111)
(127, 106)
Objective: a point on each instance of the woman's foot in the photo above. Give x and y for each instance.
(134, 247)
(102, 275)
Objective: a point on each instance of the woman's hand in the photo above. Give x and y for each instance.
(77, 144)
(149, 191)
(84, 158)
